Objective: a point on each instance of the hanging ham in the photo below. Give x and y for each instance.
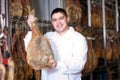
(39, 52)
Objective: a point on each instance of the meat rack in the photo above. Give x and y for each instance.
(105, 4)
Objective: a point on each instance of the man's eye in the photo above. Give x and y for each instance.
(61, 18)
(53, 19)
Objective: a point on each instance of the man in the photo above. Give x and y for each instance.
(69, 48)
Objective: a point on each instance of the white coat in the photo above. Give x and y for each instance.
(70, 52)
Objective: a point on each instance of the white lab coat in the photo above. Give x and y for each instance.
(27, 39)
(70, 52)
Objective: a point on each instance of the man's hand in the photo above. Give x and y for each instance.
(31, 18)
(53, 65)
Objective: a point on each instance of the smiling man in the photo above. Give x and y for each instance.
(69, 48)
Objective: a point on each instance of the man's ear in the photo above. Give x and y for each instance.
(68, 19)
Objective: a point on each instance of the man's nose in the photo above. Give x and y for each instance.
(58, 21)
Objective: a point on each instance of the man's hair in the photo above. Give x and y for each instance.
(61, 10)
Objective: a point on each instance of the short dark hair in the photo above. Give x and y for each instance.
(61, 10)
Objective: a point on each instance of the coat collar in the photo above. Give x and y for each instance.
(66, 35)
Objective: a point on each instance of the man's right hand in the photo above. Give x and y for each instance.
(31, 18)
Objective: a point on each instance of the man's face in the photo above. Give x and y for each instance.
(59, 22)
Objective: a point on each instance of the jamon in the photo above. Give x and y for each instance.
(39, 52)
